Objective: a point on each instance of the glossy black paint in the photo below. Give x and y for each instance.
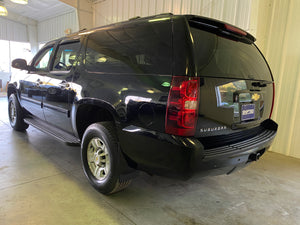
(19, 64)
(123, 72)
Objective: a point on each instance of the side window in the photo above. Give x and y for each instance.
(41, 63)
(139, 48)
(103, 59)
(66, 56)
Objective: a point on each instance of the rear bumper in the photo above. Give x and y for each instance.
(182, 157)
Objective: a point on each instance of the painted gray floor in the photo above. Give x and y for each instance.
(41, 182)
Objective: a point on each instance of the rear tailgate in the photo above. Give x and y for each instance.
(236, 87)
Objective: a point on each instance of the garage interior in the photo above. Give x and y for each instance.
(41, 179)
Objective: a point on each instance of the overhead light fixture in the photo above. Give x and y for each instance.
(22, 2)
(3, 11)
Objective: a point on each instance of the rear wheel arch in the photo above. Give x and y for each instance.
(91, 111)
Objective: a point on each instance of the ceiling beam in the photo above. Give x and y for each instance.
(84, 10)
(72, 3)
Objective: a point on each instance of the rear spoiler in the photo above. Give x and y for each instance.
(220, 28)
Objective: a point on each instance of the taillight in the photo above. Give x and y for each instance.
(182, 106)
(273, 99)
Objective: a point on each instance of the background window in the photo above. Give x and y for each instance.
(11, 50)
(20, 50)
(66, 56)
(4, 56)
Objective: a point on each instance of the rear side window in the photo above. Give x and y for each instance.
(216, 56)
(141, 49)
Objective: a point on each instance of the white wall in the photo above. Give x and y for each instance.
(278, 36)
(13, 31)
(232, 11)
(54, 28)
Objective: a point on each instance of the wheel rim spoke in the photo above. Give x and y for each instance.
(97, 172)
(12, 112)
(102, 172)
(98, 158)
(93, 167)
(102, 154)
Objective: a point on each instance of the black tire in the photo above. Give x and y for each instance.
(103, 166)
(16, 114)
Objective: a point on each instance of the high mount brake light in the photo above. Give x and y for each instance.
(235, 30)
(182, 106)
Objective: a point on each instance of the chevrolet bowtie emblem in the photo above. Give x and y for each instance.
(255, 97)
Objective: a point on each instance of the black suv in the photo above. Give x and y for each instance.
(171, 95)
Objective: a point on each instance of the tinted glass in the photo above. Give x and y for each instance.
(143, 48)
(66, 56)
(41, 63)
(220, 57)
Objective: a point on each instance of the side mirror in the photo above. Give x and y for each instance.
(19, 64)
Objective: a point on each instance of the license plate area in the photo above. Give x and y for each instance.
(247, 112)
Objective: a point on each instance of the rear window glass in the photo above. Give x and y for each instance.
(217, 56)
(140, 49)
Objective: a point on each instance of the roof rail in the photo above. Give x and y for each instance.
(162, 14)
(76, 33)
(134, 18)
(167, 14)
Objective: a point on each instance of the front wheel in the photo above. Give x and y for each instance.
(15, 114)
(101, 158)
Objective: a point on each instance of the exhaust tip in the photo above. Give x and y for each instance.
(255, 157)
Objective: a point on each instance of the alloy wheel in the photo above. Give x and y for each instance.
(98, 158)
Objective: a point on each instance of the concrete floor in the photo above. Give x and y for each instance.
(41, 182)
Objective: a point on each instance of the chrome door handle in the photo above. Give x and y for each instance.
(64, 84)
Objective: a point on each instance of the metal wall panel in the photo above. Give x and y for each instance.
(55, 27)
(206, 8)
(13, 31)
(106, 16)
(152, 8)
(217, 10)
(114, 12)
(120, 10)
(168, 5)
(281, 46)
(232, 11)
(243, 12)
(159, 6)
(138, 7)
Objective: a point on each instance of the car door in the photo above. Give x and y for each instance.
(32, 84)
(59, 95)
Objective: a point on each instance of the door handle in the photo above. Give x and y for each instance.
(38, 82)
(64, 84)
